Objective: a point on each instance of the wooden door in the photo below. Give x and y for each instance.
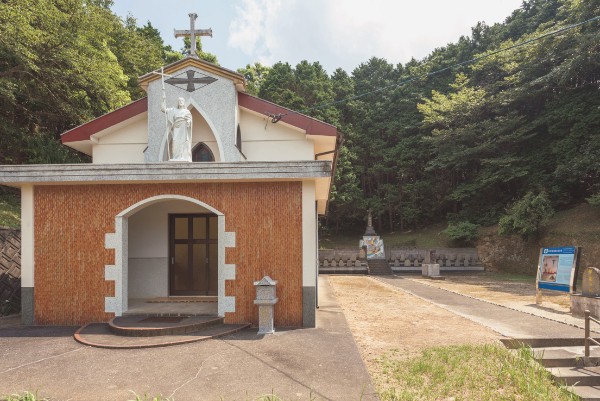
(193, 257)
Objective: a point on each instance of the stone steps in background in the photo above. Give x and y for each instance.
(379, 267)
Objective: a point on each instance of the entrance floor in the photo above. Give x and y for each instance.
(139, 306)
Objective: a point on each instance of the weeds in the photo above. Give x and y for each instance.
(26, 396)
(469, 372)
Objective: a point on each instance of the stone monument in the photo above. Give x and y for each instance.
(372, 242)
(430, 268)
(590, 294)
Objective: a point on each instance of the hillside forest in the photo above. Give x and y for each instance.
(509, 138)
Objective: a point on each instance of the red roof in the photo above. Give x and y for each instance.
(311, 125)
(85, 131)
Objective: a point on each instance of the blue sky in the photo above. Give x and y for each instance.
(337, 33)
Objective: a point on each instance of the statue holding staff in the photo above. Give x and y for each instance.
(179, 128)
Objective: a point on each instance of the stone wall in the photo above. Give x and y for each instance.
(341, 261)
(346, 260)
(10, 271)
(446, 257)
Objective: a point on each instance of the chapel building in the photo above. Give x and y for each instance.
(133, 225)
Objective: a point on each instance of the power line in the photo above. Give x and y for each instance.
(463, 63)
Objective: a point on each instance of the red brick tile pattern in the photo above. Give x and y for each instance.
(71, 221)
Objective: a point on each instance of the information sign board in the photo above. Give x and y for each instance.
(557, 268)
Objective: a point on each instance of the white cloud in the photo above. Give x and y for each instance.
(344, 33)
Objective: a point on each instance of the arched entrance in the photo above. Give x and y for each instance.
(168, 246)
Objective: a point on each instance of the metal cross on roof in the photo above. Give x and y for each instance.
(191, 80)
(192, 32)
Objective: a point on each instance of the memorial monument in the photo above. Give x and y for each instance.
(372, 241)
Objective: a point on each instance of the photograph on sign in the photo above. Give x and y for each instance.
(549, 268)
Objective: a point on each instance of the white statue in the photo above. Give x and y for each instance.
(179, 128)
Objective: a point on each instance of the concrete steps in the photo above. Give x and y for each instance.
(566, 365)
(379, 267)
(569, 356)
(587, 393)
(573, 376)
(152, 326)
(150, 331)
(99, 335)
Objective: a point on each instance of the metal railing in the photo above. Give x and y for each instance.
(588, 338)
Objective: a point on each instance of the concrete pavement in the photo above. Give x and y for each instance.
(302, 364)
(508, 322)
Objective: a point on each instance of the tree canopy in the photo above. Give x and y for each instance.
(461, 146)
(63, 63)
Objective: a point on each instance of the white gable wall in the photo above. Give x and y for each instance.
(264, 141)
(123, 143)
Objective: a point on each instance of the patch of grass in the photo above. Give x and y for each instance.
(10, 208)
(26, 396)
(469, 372)
(581, 219)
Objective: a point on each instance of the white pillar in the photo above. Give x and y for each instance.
(27, 261)
(309, 250)
(27, 254)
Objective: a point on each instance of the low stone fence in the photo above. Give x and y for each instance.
(10, 271)
(348, 260)
(445, 257)
(343, 261)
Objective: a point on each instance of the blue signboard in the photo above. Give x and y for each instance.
(556, 268)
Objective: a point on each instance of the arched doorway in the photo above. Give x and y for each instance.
(142, 268)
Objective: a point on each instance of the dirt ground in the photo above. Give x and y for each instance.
(384, 319)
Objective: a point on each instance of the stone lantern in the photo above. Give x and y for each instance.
(265, 299)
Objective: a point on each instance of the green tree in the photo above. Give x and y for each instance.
(56, 69)
(255, 74)
(527, 216)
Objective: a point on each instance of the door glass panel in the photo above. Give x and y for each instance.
(199, 227)
(200, 268)
(213, 227)
(181, 278)
(181, 227)
(213, 270)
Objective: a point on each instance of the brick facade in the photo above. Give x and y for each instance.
(71, 222)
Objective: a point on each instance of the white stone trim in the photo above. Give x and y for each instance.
(226, 271)
(119, 242)
(27, 236)
(117, 272)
